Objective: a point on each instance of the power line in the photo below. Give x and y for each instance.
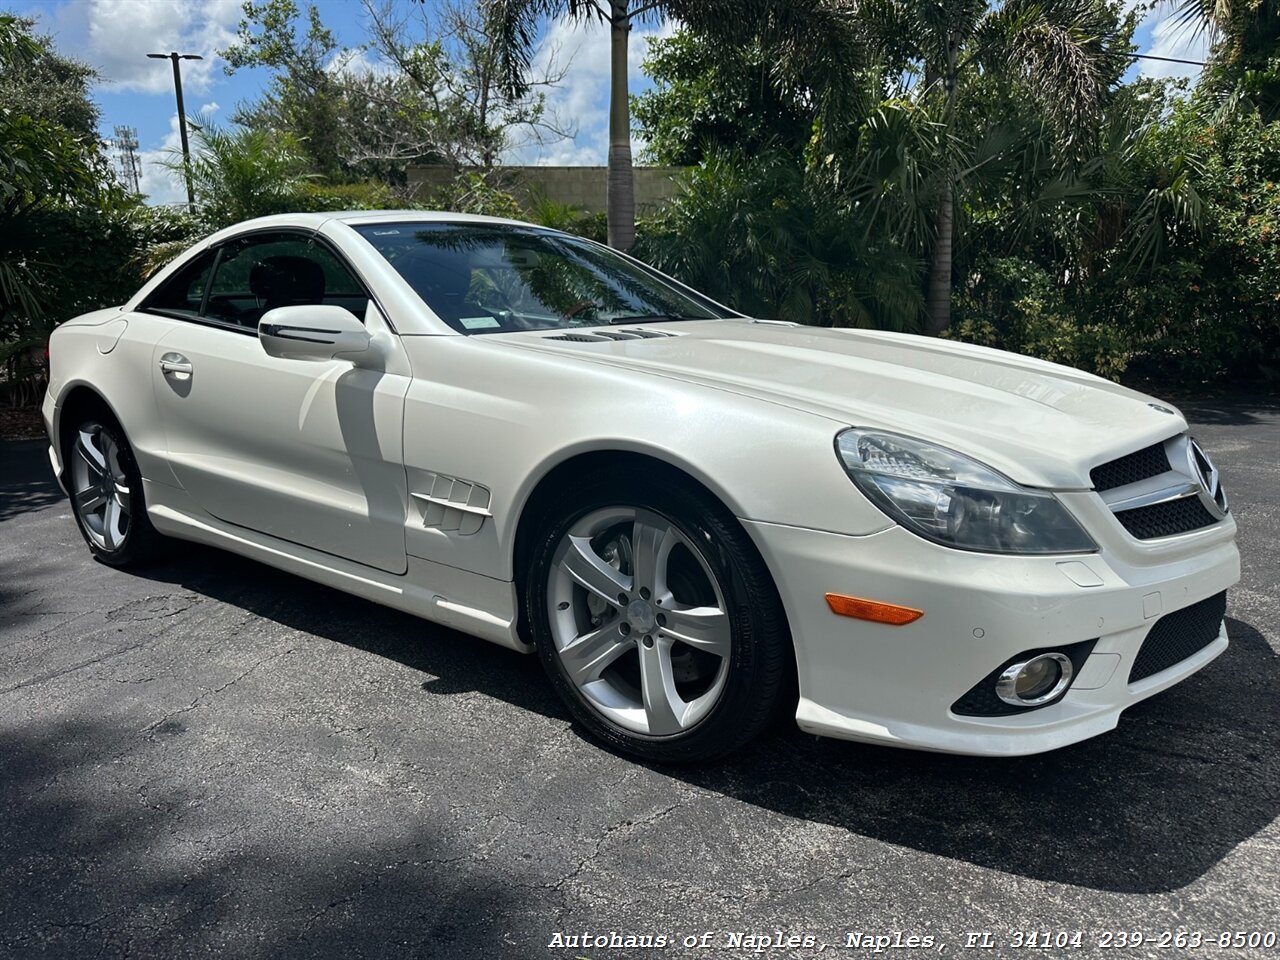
(1147, 56)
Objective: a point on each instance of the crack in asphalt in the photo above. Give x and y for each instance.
(373, 881)
(45, 633)
(110, 616)
(214, 692)
(55, 674)
(85, 925)
(624, 827)
(139, 613)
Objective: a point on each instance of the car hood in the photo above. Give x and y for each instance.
(1039, 423)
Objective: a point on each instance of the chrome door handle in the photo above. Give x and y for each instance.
(176, 366)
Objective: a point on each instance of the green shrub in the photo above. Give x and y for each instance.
(315, 197)
(1209, 310)
(1013, 304)
(541, 209)
(472, 192)
(762, 235)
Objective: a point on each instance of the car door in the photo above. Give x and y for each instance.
(129, 341)
(308, 452)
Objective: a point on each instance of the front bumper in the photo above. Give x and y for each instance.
(895, 685)
(49, 414)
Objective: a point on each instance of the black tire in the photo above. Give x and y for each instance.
(760, 678)
(140, 543)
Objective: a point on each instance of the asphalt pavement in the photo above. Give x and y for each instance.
(212, 758)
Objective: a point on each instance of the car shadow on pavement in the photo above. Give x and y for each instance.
(92, 866)
(26, 481)
(1149, 807)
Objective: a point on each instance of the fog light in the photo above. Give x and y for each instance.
(1035, 681)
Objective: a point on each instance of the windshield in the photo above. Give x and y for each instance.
(496, 278)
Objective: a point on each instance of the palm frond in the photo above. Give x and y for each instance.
(1056, 49)
(515, 27)
(1165, 213)
(19, 288)
(1209, 17)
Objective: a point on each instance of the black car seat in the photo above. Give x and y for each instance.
(286, 281)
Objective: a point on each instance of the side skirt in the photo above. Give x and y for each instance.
(455, 598)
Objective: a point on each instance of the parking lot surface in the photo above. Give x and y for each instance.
(210, 757)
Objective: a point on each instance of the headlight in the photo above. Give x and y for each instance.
(954, 500)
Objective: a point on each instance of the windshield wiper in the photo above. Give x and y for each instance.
(654, 318)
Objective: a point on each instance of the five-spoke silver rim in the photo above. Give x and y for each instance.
(639, 621)
(99, 487)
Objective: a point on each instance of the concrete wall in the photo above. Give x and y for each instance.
(583, 187)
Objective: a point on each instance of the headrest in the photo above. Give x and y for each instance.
(284, 280)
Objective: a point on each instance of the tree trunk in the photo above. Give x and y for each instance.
(938, 298)
(622, 199)
(938, 294)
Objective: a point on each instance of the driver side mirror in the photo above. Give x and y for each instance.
(316, 332)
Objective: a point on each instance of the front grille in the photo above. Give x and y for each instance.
(1140, 465)
(1166, 519)
(1179, 635)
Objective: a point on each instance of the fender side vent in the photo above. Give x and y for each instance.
(450, 504)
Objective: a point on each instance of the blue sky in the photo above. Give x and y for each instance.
(116, 35)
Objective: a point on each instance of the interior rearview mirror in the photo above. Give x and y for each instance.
(315, 332)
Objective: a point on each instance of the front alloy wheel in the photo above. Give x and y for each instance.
(106, 493)
(657, 622)
(99, 487)
(639, 621)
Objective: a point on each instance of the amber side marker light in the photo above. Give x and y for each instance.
(872, 610)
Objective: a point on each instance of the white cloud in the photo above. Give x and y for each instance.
(358, 62)
(115, 36)
(582, 97)
(158, 183)
(1169, 38)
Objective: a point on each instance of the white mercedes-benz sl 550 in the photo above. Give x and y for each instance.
(699, 521)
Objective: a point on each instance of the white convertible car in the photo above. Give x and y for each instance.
(699, 521)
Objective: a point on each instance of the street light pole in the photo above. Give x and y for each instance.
(182, 116)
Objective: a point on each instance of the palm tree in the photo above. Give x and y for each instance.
(515, 24)
(1245, 39)
(802, 30)
(242, 173)
(1054, 51)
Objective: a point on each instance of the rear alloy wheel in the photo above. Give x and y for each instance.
(658, 623)
(106, 494)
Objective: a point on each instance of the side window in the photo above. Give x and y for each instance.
(183, 293)
(266, 271)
